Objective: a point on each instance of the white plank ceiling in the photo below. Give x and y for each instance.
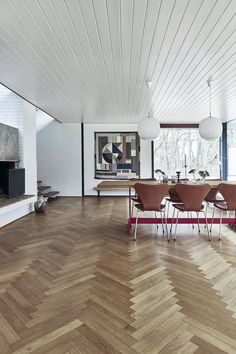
(89, 59)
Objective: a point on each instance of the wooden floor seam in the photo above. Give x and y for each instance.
(72, 281)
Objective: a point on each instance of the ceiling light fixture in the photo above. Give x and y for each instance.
(210, 128)
(148, 127)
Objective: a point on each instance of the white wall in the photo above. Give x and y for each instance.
(11, 113)
(89, 164)
(16, 112)
(59, 155)
(29, 148)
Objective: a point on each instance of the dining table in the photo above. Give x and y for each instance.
(128, 185)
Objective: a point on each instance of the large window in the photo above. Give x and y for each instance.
(231, 142)
(174, 146)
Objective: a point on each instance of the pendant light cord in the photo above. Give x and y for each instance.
(210, 99)
(209, 85)
(148, 85)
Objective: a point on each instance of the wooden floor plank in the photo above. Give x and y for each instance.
(71, 281)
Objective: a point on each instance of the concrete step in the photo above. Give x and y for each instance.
(51, 194)
(43, 188)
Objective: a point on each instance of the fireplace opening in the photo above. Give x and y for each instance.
(12, 180)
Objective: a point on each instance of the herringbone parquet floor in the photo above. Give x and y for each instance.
(72, 282)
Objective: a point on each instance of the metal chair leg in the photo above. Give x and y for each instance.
(198, 223)
(168, 208)
(191, 218)
(220, 226)
(132, 208)
(166, 227)
(172, 220)
(209, 238)
(213, 214)
(162, 223)
(136, 226)
(155, 215)
(176, 225)
(207, 204)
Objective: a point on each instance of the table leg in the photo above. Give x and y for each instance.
(129, 223)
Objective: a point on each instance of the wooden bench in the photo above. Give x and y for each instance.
(113, 185)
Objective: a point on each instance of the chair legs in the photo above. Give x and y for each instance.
(190, 216)
(136, 226)
(132, 208)
(220, 225)
(172, 220)
(168, 238)
(207, 227)
(162, 216)
(177, 218)
(213, 214)
(176, 224)
(162, 223)
(198, 223)
(168, 208)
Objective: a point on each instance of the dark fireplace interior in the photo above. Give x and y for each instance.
(12, 180)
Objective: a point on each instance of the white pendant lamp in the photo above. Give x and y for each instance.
(148, 127)
(210, 128)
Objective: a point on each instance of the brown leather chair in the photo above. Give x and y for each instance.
(192, 197)
(172, 198)
(213, 198)
(135, 198)
(228, 192)
(150, 197)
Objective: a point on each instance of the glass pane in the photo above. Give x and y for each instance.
(174, 147)
(231, 141)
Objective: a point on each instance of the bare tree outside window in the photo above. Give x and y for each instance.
(175, 145)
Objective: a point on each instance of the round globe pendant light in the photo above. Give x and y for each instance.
(148, 127)
(210, 128)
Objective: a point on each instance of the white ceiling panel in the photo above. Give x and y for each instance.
(90, 59)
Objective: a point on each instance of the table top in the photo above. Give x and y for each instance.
(126, 184)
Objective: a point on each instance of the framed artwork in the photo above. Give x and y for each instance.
(117, 155)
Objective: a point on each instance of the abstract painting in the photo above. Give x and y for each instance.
(117, 155)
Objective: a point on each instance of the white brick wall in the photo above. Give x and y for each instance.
(11, 113)
(29, 148)
(59, 155)
(16, 112)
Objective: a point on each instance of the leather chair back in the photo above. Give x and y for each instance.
(151, 195)
(192, 195)
(212, 194)
(175, 198)
(228, 192)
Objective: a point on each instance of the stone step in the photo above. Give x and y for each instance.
(43, 188)
(51, 194)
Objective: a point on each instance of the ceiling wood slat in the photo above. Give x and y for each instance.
(90, 59)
